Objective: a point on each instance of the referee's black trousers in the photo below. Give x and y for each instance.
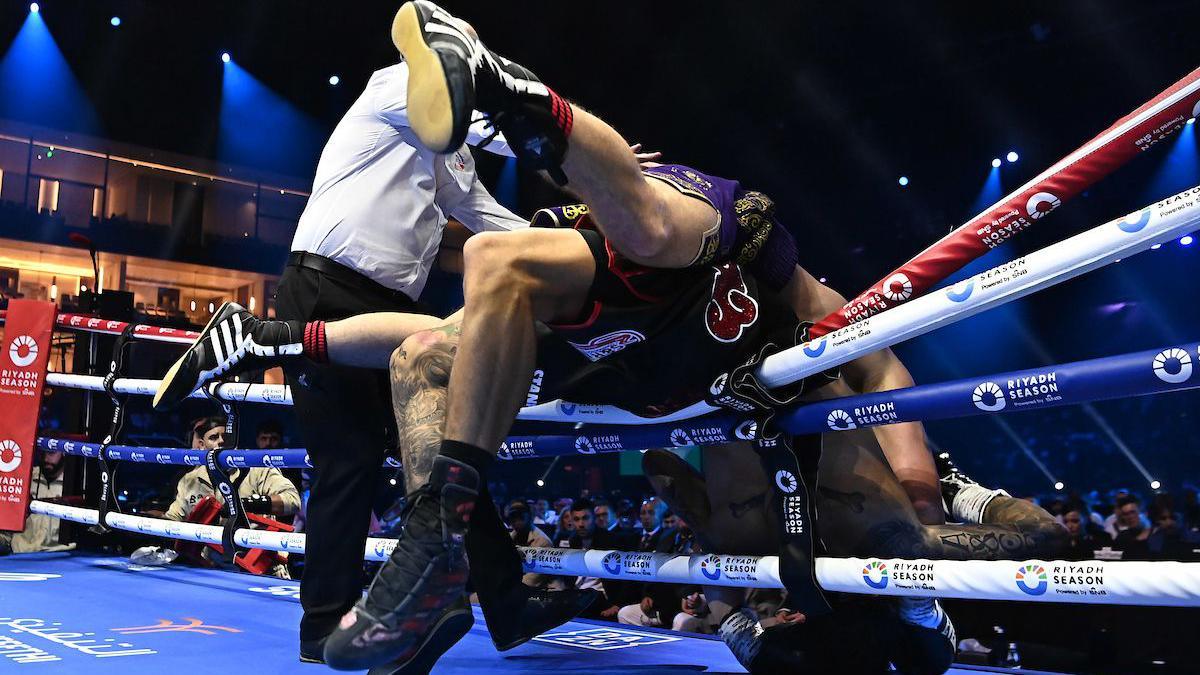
(346, 420)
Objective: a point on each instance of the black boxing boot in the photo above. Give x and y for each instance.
(424, 576)
(514, 612)
(451, 73)
(233, 342)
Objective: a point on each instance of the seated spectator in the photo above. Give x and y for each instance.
(566, 528)
(41, 532)
(587, 537)
(664, 604)
(1169, 540)
(604, 516)
(269, 435)
(1082, 541)
(650, 518)
(542, 515)
(524, 533)
(264, 491)
(1128, 530)
(1113, 524)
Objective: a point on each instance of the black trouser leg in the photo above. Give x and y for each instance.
(343, 415)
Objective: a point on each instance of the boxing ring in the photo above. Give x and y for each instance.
(252, 614)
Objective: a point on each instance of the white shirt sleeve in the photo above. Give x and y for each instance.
(479, 211)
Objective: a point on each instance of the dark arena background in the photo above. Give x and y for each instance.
(156, 157)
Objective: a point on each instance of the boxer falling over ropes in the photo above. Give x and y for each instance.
(642, 296)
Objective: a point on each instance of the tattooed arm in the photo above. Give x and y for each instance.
(420, 373)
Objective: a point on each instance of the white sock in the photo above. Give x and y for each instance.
(971, 502)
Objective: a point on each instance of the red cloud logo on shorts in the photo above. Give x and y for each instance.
(731, 310)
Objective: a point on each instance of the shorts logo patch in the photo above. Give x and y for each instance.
(731, 310)
(608, 344)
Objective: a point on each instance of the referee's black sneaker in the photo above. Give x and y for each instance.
(234, 341)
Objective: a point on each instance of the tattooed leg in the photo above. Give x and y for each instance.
(420, 372)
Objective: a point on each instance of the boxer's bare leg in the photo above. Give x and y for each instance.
(420, 372)
(368, 340)
(512, 280)
(647, 220)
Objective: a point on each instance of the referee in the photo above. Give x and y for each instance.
(365, 243)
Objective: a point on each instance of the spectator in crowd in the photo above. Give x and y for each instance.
(1168, 539)
(1113, 523)
(662, 604)
(269, 435)
(41, 532)
(1128, 527)
(1083, 538)
(587, 537)
(566, 528)
(669, 522)
(604, 516)
(628, 515)
(264, 491)
(519, 519)
(650, 518)
(542, 515)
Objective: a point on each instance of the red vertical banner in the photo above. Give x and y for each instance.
(26, 351)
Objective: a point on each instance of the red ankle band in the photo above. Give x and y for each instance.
(315, 347)
(561, 109)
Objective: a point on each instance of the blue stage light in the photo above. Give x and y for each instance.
(115, 21)
(1186, 240)
(34, 7)
(224, 57)
(1191, 120)
(903, 181)
(334, 80)
(1012, 156)
(996, 163)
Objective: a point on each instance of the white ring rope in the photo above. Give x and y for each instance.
(1167, 584)
(239, 392)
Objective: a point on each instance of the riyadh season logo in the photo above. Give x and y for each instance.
(898, 287)
(988, 397)
(710, 567)
(875, 575)
(10, 456)
(1031, 579)
(815, 348)
(1041, 203)
(680, 438)
(612, 562)
(786, 481)
(747, 430)
(1173, 365)
(839, 420)
(22, 351)
(961, 291)
(1135, 222)
(583, 445)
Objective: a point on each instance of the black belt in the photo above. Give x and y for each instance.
(346, 275)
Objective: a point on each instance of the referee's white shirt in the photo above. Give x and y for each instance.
(380, 200)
